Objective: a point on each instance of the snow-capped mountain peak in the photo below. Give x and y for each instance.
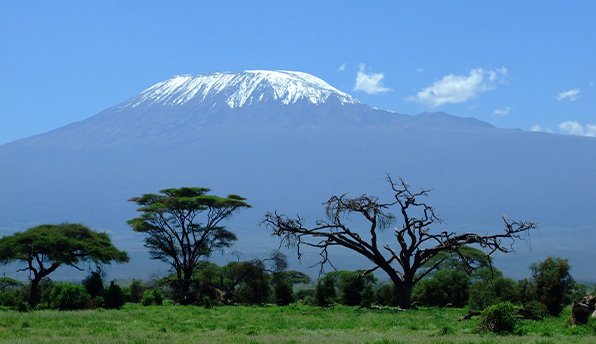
(243, 88)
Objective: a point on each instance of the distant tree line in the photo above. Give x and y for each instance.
(183, 227)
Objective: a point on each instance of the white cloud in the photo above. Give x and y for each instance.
(575, 128)
(460, 88)
(342, 67)
(419, 70)
(370, 83)
(502, 112)
(569, 94)
(539, 128)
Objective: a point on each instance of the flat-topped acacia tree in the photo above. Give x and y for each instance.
(45, 248)
(415, 251)
(183, 226)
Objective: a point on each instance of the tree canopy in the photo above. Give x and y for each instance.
(46, 247)
(183, 226)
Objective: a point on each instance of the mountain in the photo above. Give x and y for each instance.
(287, 141)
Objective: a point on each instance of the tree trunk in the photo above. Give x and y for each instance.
(183, 288)
(402, 294)
(34, 292)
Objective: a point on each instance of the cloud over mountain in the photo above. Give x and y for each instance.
(370, 83)
(459, 88)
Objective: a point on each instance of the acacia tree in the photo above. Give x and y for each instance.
(182, 226)
(405, 261)
(47, 247)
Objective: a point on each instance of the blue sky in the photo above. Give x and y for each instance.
(515, 64)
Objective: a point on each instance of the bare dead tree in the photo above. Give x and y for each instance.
(405, 261)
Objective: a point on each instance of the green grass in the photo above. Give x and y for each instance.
(292, 324)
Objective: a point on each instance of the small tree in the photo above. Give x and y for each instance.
(94, 284)
(183, 226)
(114, 297)
(248, 282)
(283, 285)
(47, 247)
(405, 259)
(136, 291)
(325, 291)
(552, 283)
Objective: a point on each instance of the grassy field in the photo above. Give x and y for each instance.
(292, 324)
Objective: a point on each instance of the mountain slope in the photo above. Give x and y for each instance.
(290, 151)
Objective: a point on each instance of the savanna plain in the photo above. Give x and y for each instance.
(296, 323)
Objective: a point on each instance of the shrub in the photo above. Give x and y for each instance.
(207, 302)
(114, 297)
(485, 293)
(499, 318)
(351, 288)
(136, 291)
(94, 284)
(384, 294)
(446, 287)
(23, 307)
(68, 296)
(325, 291)
(355, 287)
(303, 293)
(253, 292)
(535, 310)
(13, 297)
(282, 290)
(152, 297)
(96, 302)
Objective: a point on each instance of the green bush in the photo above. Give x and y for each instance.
(94, 284)
(500, 318)
(303, 293)
(325, 291)
(96, 302)
(445, 287)
(283, 292)
(114, 297)
(68, 296)
(13, 297)
(207, 302)
(152, 297)
(23, 307)
(536, 310)
(489, 292)
(384, 294)
(136, 290)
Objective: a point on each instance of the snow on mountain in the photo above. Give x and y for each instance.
(239, 89)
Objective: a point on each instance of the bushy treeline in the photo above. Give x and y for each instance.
(251, 282)
(550, 288)
(90, 293)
